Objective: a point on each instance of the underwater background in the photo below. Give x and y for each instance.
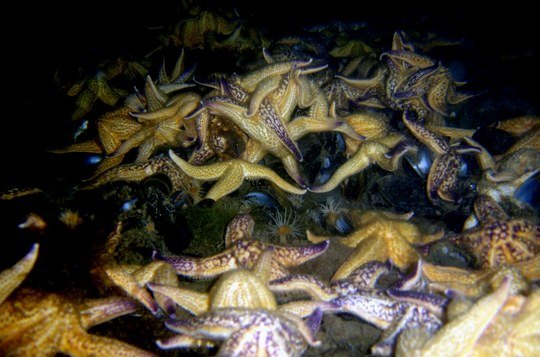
(50, 46)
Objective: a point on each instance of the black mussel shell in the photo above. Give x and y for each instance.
(529, 192)
(406, 194)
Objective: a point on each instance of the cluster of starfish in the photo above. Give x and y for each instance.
(238, 121)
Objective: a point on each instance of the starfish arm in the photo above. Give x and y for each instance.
(315, 288)
(195, 302)
(530, 268)
(134, 141)
(162, 273)
(129, 172)
(371, 306)
(205, 172)
(293, 169)
(368, 153)
(305, 309)
(294, 256)
(255, 171)
(124, 280)
(366, 251)
(202, 154)
(302, 126)
(285, 97)
(91, 146)
(202, 267)
(146, 149)
(11, 278)
(91, 345)
(157, 115)
(445, 278)
(155, 98)
(106, 164)
(230, 181)
(183, 341)
(98, 311)
(436, 98)
(252, 80)
(460, 335)
(443, 177)
(426, 136)
(272, 120)
(359, 235)
(240, 227)
(433, 303)
(410, 57)
(363, 84)
(263, 90)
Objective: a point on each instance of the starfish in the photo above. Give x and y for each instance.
(91, 89)
(380, 141)
(230, 174)
(114, 127)
(243, 252)
(499, 240)
(252, 332)
(137, 172)
(392, 311)
(163, 126)
(236, 289)
(380, 236)
(477, 283)
(499, 323)
(11, 278)
(132, 278)
(33, 323)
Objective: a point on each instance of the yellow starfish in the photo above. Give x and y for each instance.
(381, 236)
(230, 175)
(164, 126)
(11, 278)
(36, 323)
(476, 283)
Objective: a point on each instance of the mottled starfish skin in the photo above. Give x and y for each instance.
(392, 311)
(11, 278)
(248, 332)
(35, 323)
(243, 252)
(501, 242)
(265, 126)
(477, 283)
(160, 164)
(230, 174)
(381, 236)
(164, 126)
